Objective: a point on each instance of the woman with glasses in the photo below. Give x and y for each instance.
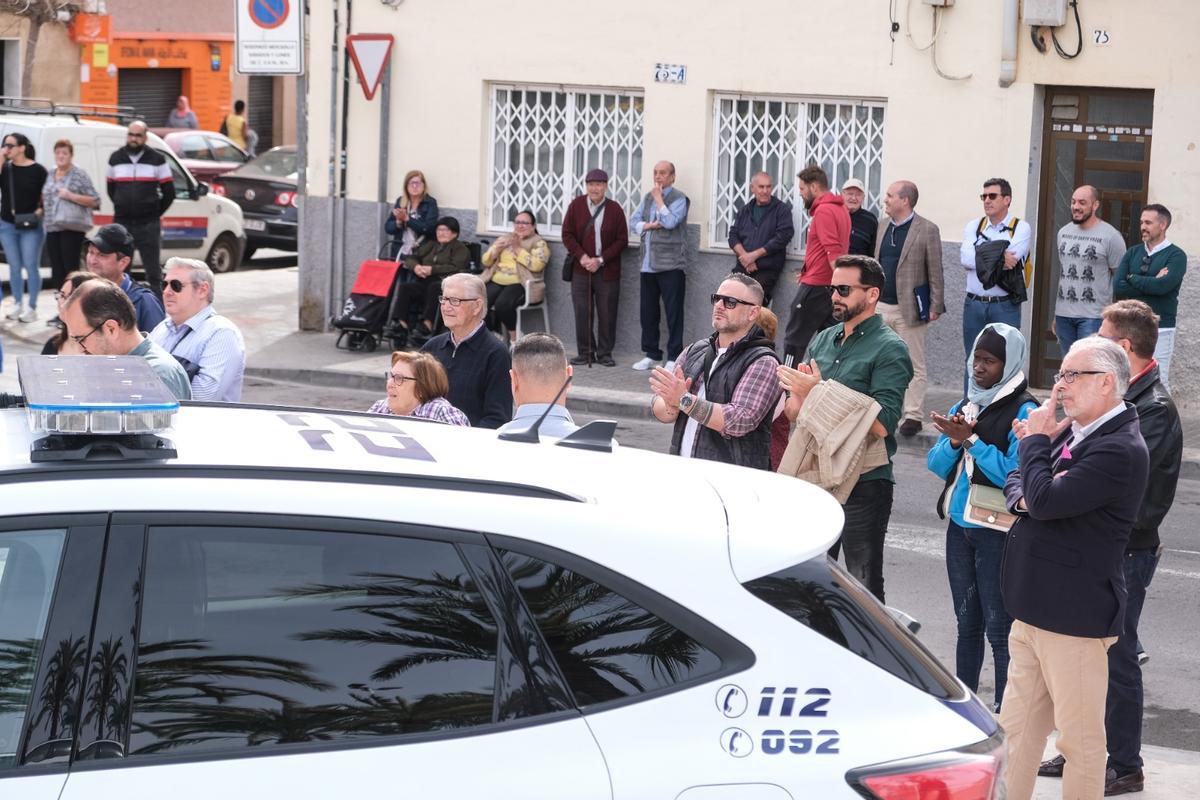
(513, 262)
(21, 229)
(414, 217)
(69, 198)
(974, 454)
(417, 387)
(61, 344)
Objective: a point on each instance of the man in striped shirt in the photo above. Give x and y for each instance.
(141, 188)
(207, 345)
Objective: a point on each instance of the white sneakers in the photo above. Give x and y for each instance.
(648, 363)
(28, 315)
(13, 313)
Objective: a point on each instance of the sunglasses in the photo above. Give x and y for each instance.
(174, 285)
(727, 301)
(844, 289)
(990, 196)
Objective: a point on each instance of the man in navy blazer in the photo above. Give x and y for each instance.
(1077, 491)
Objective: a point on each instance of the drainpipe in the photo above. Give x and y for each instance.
(1008, 44)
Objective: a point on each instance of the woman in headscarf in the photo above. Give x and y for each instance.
(974, 454)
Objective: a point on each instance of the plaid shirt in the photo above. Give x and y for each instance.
(438, 409)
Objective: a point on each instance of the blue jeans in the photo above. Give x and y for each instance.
(1123, 711)
(23, 251)
(977, 314)
(973, 558)
(1071, 329)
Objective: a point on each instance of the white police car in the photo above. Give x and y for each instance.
(303, 604)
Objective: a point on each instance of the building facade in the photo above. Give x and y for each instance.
(505, 110)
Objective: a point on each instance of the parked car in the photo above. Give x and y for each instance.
(306, 604)
(204, 153)
(197, 225)
(265, 188)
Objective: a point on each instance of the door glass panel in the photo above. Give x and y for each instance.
(252, 638)
(606, 646)
(1115, 151)
(28, 569)
(1124, 109)
(1114, 179)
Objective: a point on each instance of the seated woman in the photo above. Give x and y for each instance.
(61, 344)
(413, 217)
(434, 260)
(511, 261)
(417, 387)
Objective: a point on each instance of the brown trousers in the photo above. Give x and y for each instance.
(595, 302)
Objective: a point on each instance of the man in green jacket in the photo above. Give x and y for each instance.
(1153, 272)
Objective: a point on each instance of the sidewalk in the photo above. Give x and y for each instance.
(263, 302)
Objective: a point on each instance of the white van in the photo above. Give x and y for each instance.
(197, 225)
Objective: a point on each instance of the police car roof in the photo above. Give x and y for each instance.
(770, 521)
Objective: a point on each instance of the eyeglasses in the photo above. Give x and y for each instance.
(455, 302)
(79, 339)
(727, 301)
(521, 222)
(8, 145)
(1069, 376)
(60, 295)
(391, 376)
(990, 196)
(844, 289)
(175, 285)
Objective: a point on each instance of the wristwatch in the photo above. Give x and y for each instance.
(601, 260)
(970, 442)
(686, 401)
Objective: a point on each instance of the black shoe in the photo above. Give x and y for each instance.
(909, 427)
(607, 361)
(1123, 784)
(580, 360)
(1052, 768)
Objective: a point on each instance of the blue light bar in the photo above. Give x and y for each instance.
(94, 394)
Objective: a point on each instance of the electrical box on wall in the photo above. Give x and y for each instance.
(941, 3)
(1050, 13)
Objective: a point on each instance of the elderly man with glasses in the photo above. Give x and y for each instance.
(868, 357)
(722, 393)
(475, 360)
(1077, 492)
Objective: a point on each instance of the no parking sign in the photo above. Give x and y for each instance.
(270, 37)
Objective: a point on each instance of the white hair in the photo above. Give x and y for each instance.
(1106, 356)
(200, 272)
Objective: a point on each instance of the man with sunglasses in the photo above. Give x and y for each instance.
(476, 362)
(864, 355)
(99, 318)
(722, 394)
(1077, 492)
(109, 254)
(994, 304)
(207, 345)
(141, 188)
(1153, 272)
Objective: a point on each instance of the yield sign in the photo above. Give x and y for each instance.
(370, 53)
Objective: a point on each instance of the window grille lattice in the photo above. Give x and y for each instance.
(544, 141)
(781, 136)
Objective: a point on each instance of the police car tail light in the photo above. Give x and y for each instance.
(972, 773)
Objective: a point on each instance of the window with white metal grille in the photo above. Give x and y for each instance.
(544, 141)
(782, 135)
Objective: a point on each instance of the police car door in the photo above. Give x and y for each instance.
(307, 658)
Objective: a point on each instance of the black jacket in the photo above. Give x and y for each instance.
(142, 190)
(480, 386)
(863, 228)
(1159, 422)
(774, 231)
(1063, 562)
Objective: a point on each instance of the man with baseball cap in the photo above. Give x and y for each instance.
(109, 254)
(863, 224)
(594, 233)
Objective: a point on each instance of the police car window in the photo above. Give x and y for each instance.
(607, 647)
(182, 185)
(28, 568)
(254, 637)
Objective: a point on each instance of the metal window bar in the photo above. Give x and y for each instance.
(543, 142)
(780, 136)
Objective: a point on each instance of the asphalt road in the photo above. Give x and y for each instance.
(915, 564)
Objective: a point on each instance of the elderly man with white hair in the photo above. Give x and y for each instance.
(1076, 493)
(207, 345)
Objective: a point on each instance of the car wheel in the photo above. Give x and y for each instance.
(223, 256)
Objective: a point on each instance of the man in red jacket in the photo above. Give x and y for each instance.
(828, 238)
(594, 233)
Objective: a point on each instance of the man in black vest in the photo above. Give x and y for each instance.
(722, 394)
(1134, 326)
(1077, 490)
